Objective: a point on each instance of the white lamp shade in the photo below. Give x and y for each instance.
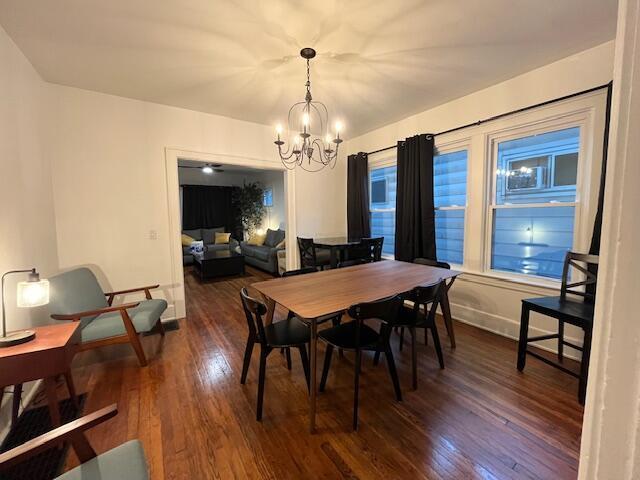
(33, 294)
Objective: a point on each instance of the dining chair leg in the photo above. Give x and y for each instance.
(305, 364)
(414, 359)
(522, 341)
(356, 390)
(261, 379)
(401, 337)
(325, 368)
(560, 341)
(391, 365)
(584, 365)
(376, 358)
(335, 321)
(287, 352)
(247, 359)
(448, 321)
(437, 346)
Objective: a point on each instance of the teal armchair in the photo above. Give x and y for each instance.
(125, 461)
(76, 295)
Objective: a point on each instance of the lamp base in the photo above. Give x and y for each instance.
(16, 338)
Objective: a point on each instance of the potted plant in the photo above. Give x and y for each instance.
(248, 199)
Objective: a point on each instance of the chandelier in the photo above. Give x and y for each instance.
(311, 145)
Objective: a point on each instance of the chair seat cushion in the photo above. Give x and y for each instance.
(125, 461)
(573, 311)
(344, 336)
(144, 318)
(287, 332)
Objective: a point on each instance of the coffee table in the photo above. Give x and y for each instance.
(218, 263)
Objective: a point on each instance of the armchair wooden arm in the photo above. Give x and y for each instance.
(147, 293)
(72, 432)
(91, 313)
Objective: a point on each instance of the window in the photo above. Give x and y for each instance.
(267, 197)
(383, 206)
(450, 200)
(534, 205)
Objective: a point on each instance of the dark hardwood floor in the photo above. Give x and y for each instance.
(478, 418)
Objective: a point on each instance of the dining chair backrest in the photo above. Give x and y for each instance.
(386, 309)
(300, 271)
(432, 263)
(373, 247)
(254, 310)
(580, 262)
(427, 295)
(307, 252)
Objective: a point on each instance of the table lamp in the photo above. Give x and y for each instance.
(32, 293)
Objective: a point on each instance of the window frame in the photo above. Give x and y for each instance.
(581, 119)
(451, 146)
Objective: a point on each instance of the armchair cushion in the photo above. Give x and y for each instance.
(274, 237)
(257, 251)
(144, 317)
(124, 461)
(75, 291)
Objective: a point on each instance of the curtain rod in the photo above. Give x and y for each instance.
(512, 112)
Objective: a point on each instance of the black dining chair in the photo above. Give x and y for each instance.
(356, 336)
(445, 305)
(565, 309)
(421, 313)
(310, 256)
(369, 249)
(334, 318)
(283, 334)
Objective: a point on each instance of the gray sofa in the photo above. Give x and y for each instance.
(264, 256)
(207, 235)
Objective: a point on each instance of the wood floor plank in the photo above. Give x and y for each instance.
(478, 418)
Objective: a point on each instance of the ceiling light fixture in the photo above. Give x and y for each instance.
(309, 151)
(207, 169)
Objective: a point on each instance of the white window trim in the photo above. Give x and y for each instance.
(582, 118)
(450, 146)
(384, 159)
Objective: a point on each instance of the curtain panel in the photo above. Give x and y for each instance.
(210, 207)
(358, 219)
(415, 214)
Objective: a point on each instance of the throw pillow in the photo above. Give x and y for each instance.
(208, 234)
(257, 239)
(282, 244)
(221, 238)
(186, 240)
(271, 239)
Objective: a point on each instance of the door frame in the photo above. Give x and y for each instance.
(172, 156)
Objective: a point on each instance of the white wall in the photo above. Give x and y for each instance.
(109, 178)
(487, 302)
(275, 216)
(27, 226)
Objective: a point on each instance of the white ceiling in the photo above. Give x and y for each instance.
(378, 61)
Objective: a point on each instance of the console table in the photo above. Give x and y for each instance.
(48, 356)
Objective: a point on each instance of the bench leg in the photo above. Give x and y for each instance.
(522, 342)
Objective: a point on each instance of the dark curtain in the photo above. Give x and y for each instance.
(594, 249)
(358, 221)
(415, 214)
(210, 207)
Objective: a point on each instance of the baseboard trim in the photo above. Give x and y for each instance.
(506, 327)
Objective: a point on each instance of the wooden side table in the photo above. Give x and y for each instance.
(46, 357)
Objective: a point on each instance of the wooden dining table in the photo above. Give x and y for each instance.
(333, 291)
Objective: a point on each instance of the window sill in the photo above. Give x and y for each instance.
(512, 282)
